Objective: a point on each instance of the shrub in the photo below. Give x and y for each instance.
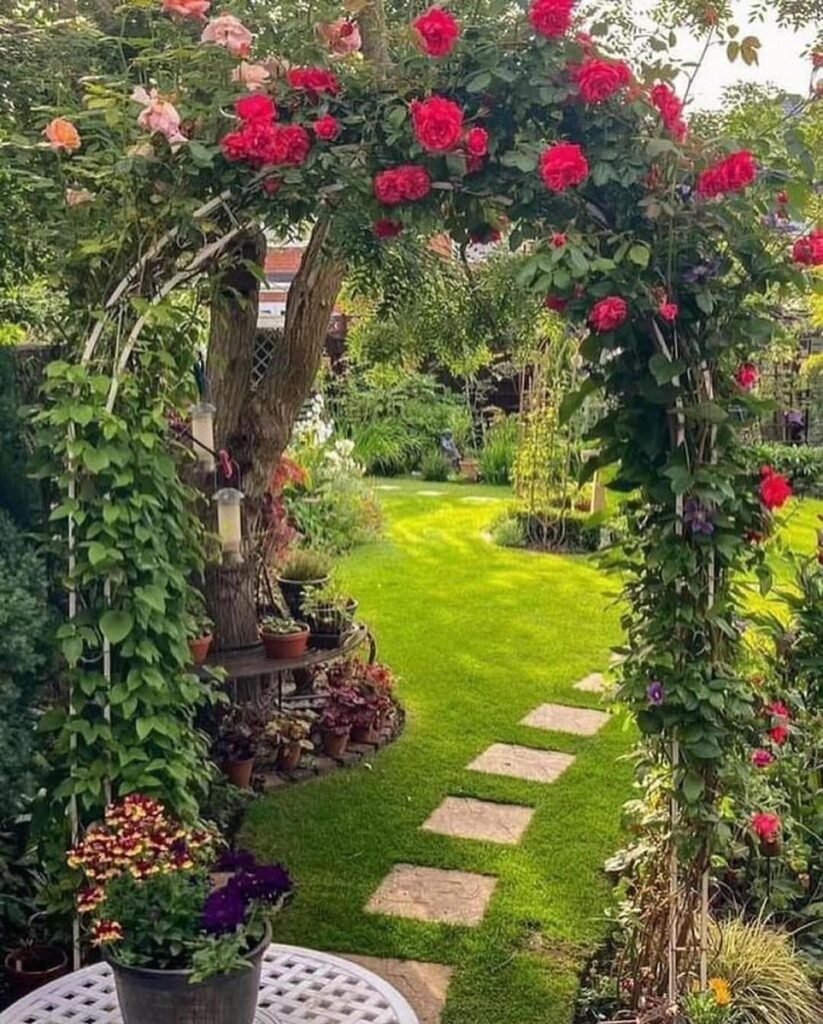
(509, 532)
(306, 565)
(768, 981)
(18, 495)
(499, 451)
(802, 464)
(435, 466)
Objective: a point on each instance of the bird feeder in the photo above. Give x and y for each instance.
(229, 526)
(202, 432)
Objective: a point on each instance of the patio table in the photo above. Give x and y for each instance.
(297, 986)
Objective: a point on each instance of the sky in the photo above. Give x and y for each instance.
(781, 60)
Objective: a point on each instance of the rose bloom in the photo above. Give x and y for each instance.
(187, 8)
(808, 250)
(669, 310)
(314, 81)
(608, 314)
(326, 128)
(555, 303)
(558, 240)
(159, 115)
(762, 758)
(271, 186)
(438, 123)
(407, 183)
(777, 709)
(436, 32)
(730, 175)
(386, 228)
(665, 100)
(747, 376)
(255, 108)
(779, 734)
(342, 37)
(477, 142)
(767, 826)
(229, 32)
(599, 79)
(563, 166)
(62, 135)
(775, 490)
(252, 76)
(551, 18)
(291, 144)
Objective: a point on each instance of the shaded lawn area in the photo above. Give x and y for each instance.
(480, 636)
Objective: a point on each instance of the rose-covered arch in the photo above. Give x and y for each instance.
(634, 229)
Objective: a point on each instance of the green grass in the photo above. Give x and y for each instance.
(479, 635)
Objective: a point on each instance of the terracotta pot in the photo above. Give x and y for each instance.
(288, 756)
(283, 646)
(470, 470)
(199, 648)
(334, 743)
(239, 772)
(365, 734)
(29, 967)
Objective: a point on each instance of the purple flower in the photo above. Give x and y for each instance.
(235, 860)
(656, 693)
(794, 418)
(702, 272)
(267, 883)
(698, 517)
(224, 911)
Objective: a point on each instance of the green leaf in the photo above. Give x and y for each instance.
(665, 370)
(97, 552)
(640, 254)
(573, 400)
(116, 625)
(95, 460)
(692, 787)
(477, 83)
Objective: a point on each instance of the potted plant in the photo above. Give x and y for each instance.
(470, 467)
(303, 569)
(290, 732)
(235, 748)
(283, 637)
(199, 627)
(329, 613)
(34, 962)
(337, 718)
(374, 683)
(181, 951)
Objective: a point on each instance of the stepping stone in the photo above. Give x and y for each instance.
(386, 487)
(432, 894)
(522, 762)
(480, 819)
(478, 498)
(562, 718)
(423, 984)
(431, 494)
(595, 682)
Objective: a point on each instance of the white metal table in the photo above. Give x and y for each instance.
(297, 986)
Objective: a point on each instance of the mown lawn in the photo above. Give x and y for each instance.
(480, 636)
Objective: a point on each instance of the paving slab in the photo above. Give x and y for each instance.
(562, 718)
(522, 762)
(387, 487)
(431, 494)
(424, 985)
(465, 818)
(479, 498)
(433, 894)
(595, 682)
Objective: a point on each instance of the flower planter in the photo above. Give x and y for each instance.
(470, 470)
(239, 772)
(294, 590)
(334, 743)
(148, 996)
(328, 627)
(282, 646)
(199, 648)
(29, 967)
(365, 734)
(288, 756)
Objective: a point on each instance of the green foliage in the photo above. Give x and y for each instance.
(802, 464)
(306, 565)
(508, 531)
(435, 466)
(18, 495)
(499, 451)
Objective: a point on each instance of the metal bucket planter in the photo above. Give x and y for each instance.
(149, 996)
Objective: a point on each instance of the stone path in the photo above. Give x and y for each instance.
(431, 494)
(421, 893)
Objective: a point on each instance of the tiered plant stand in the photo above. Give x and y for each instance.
(297, 986)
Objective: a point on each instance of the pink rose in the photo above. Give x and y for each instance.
(62, 135)
(158, 115)
(342, 37)
(187, 8)
(229, 32)
(253, 76)
(762, 758)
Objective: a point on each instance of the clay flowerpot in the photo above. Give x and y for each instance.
(470, 470)
(334, 743)
(239, 772)
(283, 646)
(29, 967)
(199, 647)
(365, 734)
(288, 756)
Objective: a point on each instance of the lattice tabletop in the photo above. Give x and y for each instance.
(297, 986)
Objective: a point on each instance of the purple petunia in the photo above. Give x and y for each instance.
(236, 860)
(698, 517)
(656, 692)
(268, 883)
(224, 911)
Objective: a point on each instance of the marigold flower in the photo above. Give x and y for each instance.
(106, 932)
(90, 899)
(721, 990)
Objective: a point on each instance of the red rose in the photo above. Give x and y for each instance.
(438, 123)
(290, 144)
(730, 175)
(563, 166)
(767, 826)
(747, 376)
(477, 142)
(669, 311)
(779, 734)
(555, 303)
(271, 185)
(608, 314)
(326, 128)
(762, 758)
(551, 18)
(775, 489)
(255, 107)
(665, 99)
(409, 182)
(599, 79)
(558, 240)
(314, 81)
(256, 143)
(386, 228)
(234, 146)
(808, 250)
(473, 164)
(437, 32)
